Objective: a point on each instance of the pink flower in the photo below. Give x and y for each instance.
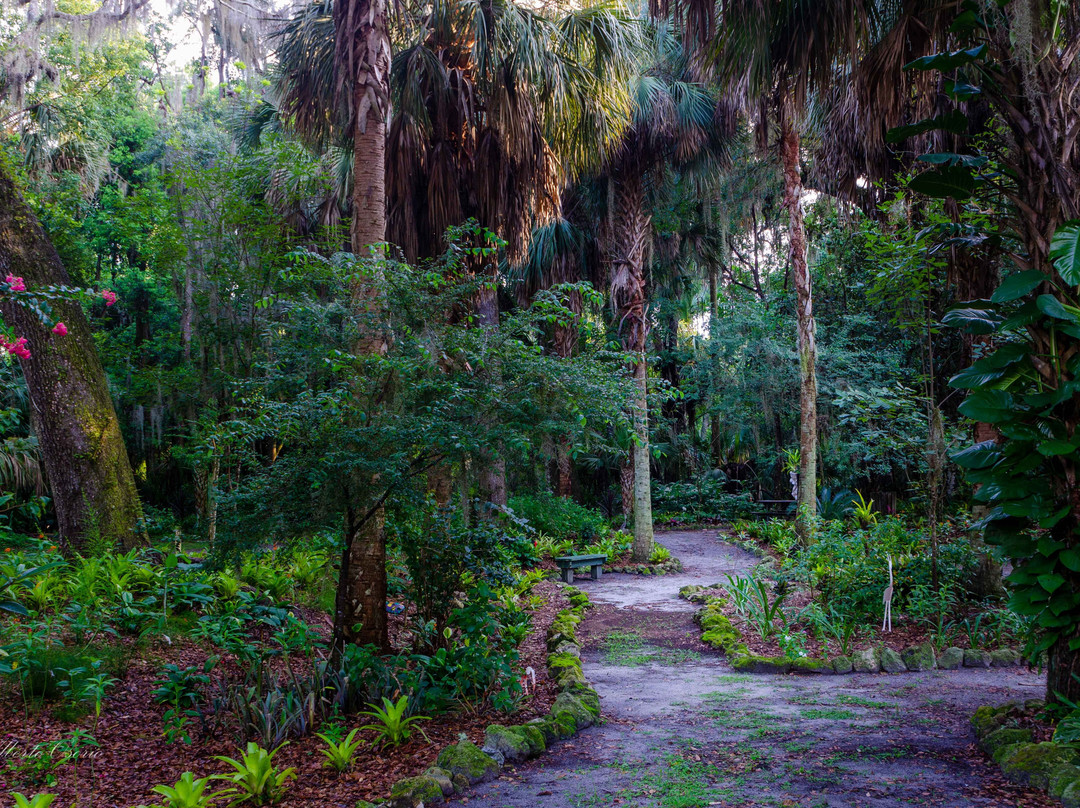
(110, 297)
(19, 349)
(60, 330)
(17, 284)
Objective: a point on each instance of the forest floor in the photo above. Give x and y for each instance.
(680, 729)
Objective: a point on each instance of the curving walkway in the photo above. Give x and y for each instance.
(681, 730)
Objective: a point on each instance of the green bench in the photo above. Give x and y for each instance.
(567, 565)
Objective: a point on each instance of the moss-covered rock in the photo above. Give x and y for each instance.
(1031, 764)
(750, 663)
(414, 791)
(866, 661)
(951, 659)
(989, 718)
(561, 661)
(842, 664)
(920, 657)
(569, 648)
(1061, 778)
(976, 659)
(469, 761)
(810, 665)
(506, 741)
(534, 738)
(1005, 736)
(570, 703)
(1004, 658)
(891, 661)
(555, 727)
(1070, 796)
(443, 778)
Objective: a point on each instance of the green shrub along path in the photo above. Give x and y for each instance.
(680, 729)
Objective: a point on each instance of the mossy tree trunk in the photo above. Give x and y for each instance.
(72, 413)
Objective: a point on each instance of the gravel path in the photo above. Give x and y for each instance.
(681, 730)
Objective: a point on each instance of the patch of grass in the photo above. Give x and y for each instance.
(626, 648)
(859, 701)
(798, 747)
(734, 679)
(830, 713)
(684, 784)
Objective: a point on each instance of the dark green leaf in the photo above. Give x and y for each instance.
(1018, 285)
(951, 181)
(947, 61)
(1052, 307)
(972, 320)
(1065, 252)
(954, 121)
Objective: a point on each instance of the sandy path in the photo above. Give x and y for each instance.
(680, 730)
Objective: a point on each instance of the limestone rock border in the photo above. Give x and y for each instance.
(1048, 766)
(464, 764)
(719, 632)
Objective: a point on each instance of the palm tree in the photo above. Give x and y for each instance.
(674, 119)
(778, 54)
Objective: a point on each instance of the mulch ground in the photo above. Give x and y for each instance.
(132, 755)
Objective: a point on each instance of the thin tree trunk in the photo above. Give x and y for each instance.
(92, 487)
(804, 315)
(492, 476)
(363, 61)
(626, 488)
(714, 418)
(643, 527)
(565, 342)
(630, 232)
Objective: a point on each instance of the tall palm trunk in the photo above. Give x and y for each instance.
(804, 316)
(363, 62)
(90, 479)
(630, 231)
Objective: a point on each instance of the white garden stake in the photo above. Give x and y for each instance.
(886, 598)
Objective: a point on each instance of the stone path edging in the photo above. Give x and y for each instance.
(464, 764)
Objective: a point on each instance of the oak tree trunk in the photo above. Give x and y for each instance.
(71, 411)
(804, 316)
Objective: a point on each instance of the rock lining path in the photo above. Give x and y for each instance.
(681, 730)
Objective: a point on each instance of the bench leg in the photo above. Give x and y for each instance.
(568, 575)
(597, 570)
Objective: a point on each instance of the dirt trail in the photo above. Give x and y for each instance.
(681, 730)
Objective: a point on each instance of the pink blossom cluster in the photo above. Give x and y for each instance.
(17, 284)
(110, 297)
(17, 348)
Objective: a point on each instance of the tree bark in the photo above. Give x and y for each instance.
(492, 476)
(630, 232)
(71, 411)
(804, 316)
(362, 44)
(714, 418)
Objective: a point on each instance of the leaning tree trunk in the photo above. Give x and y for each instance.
(90, 479)
(804, 316)
(630, 230)
(363, 63)
(714, 324)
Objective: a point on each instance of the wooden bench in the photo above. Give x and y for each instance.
(567, 565)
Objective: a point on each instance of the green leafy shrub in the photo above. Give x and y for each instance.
(188, 792)
(339, 753)
(256, 779)
(559, 517)
(392, 726)
(704, 498)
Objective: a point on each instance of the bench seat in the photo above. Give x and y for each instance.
(567, 565)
